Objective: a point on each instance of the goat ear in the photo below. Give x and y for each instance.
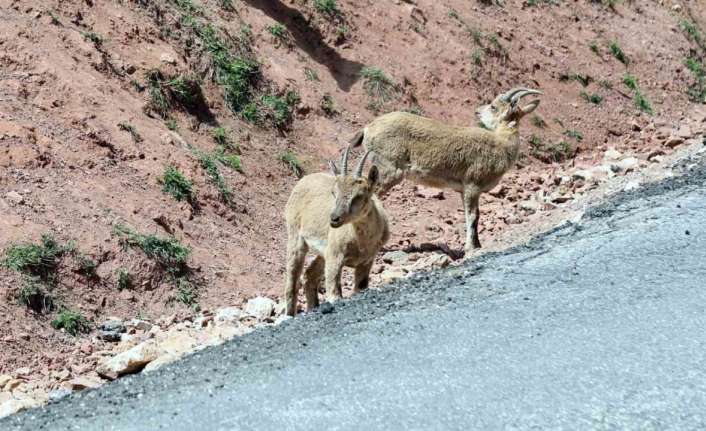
(333, 167)
(373, 176)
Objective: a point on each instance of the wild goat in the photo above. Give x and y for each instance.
(470, 160)
(340, 219)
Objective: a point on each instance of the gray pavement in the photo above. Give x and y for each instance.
(596, 325)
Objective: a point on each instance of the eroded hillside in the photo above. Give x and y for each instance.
(154, 143)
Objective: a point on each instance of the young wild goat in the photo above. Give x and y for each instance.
(470, 160)
(340, 219)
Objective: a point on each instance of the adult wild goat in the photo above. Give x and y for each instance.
(339, 218)
(470, 160)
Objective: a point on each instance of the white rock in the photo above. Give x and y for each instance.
(582, 174)
(140, 325)
(14, 197)
(530, 205)
(395, 256)
(168, 58)
(130, 361)
(612, 155)
(4, 379)
(15, 405)
(85, 382)
(626, 165)
(632, 185)
(228, 314)
(260, 307)
(392, 274)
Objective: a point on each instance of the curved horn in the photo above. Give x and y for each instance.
(525, 92)
(344, 161)
(361, 165)
(507, 96)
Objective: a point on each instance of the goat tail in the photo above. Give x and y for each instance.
(357, 139)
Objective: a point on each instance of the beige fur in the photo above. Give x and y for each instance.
(317, 204)
(470, 160)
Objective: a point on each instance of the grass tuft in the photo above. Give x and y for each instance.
(174, 183)
(73, 322)
(618, 53)
(127, 127)
(327, 7)
(291, 160)
(594, 98)
(168, 252)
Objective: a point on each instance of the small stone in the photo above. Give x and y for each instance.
(582, 174)
(60, 375)
(260, 307)
(24, 371)
(113, 325)
(228, 315)
(85, 382)
(4, 378)
(12, 384)
(130, 361)
(612, 155)
(684, 132)
(396, 256)
(530, 205)
(15, 405)
(140, 325)
(632, 185)
(628, 164)
(676, 8)
(654, 154)
(282, 318)
(167, 58)
(58, 394)
(635, 126)
(326, 308)
(392, 274)
(86, 348)
(428, 192)
(674, 141)
(202, 321)
(14, 198)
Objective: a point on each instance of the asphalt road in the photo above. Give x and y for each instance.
(596, 325)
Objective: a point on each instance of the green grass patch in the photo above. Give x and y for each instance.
(327, 7)
(127, 127)
(379, 87)
(38, 260)
(593, 46)
(328, 106)
(92, 37)
(73, 322)
(124, 279)
(311, 75)
(618, 53)
(167, 251)
(35, 295)
(640, 100)
(175, 184)
(574, 134)
(209, 163)
(697, 90)
(292, 162)
(593, 98)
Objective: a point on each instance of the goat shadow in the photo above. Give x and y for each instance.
(311, 40)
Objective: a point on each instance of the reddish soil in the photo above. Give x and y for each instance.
(79, 175)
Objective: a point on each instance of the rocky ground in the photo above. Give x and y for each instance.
(81, 154)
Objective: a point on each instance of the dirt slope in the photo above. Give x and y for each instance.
(72, 71)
